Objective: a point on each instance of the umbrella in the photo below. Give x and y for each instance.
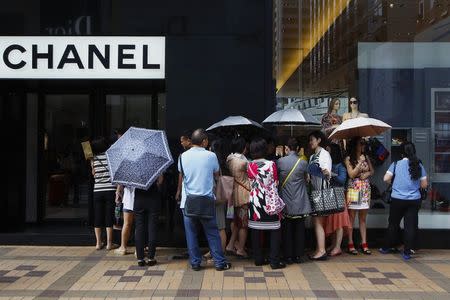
(234, 121)
(359, 127)
(291, 117)
(138, 157)
(237, 125)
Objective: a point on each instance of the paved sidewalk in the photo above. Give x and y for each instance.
(83, 273)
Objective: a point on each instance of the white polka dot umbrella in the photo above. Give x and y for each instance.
(138, 157)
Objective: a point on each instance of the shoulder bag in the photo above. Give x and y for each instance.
(290, 173)
(224, 189)
(327, 200)
(386, 196)
(197, 206)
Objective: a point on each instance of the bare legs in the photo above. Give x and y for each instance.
(231, 247)
(362, 216)
(320, 236)
(98, 237)
(128, 218)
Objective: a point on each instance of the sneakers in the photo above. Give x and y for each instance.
(224, 267)
(384, 250)
(196, 267)
(406, 255)
(151, 262)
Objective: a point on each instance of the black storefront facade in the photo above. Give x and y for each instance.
(218, 62)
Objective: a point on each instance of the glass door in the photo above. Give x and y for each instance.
(68, 180)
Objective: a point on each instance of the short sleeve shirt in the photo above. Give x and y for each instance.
(199, 166)
(404, 187)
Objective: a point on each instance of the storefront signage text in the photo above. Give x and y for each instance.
(82, 57)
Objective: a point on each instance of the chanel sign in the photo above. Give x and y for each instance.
(86, 57)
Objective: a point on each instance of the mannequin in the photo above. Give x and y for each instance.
(354, 110)
(331, 120)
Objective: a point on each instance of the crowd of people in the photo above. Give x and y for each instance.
(270, 200)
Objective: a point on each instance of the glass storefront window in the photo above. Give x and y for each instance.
(393, 57)
(68, 173)
(123, 111)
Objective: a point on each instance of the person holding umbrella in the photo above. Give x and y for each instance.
(359, 169)
(147, 206)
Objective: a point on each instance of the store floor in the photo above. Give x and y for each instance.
(84, 273)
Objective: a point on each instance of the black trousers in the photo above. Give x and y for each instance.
(104, 209)
(293, 237)
(257, 245)
(408, 210)
(146, 220)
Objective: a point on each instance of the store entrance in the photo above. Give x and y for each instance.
(67, 173)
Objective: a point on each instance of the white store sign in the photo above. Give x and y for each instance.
(82, 57)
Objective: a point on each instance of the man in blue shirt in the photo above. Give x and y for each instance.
(198, 169)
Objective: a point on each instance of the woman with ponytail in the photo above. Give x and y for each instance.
(408, 177)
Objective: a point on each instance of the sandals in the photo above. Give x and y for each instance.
(113, 246)
(365, 249)
(352, 250)
(98, 248)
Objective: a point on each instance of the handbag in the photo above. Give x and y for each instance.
(197, 206)
(224, 189)
(353, 196)
(328, 200)
(386, 196)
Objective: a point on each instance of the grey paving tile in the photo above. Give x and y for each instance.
(130, 279)
(25, 268)
(382, 281)
(325, 293)
(36, 273)
(273, 274)
(233, 274)
(253, 269)
(392, 275)
(51, 293)
(354, 275)
(233, 293)
(255, 280)
(256, 293)
(135, 268)
(154, 273)
(9, 279)
(114, 273)
(369, 269)
(188, 293)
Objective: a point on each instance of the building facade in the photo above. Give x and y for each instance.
(218, 62)
(391, 56)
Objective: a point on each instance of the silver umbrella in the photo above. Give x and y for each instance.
(138, 157)
(237, 125)
(291, 117)
(233, 121)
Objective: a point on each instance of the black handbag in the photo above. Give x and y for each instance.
(197, 206)
(327, 200)
(386, 196)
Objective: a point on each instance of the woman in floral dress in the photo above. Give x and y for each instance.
(264, 211)
(359, 169)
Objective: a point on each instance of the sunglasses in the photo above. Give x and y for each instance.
(353, 102)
